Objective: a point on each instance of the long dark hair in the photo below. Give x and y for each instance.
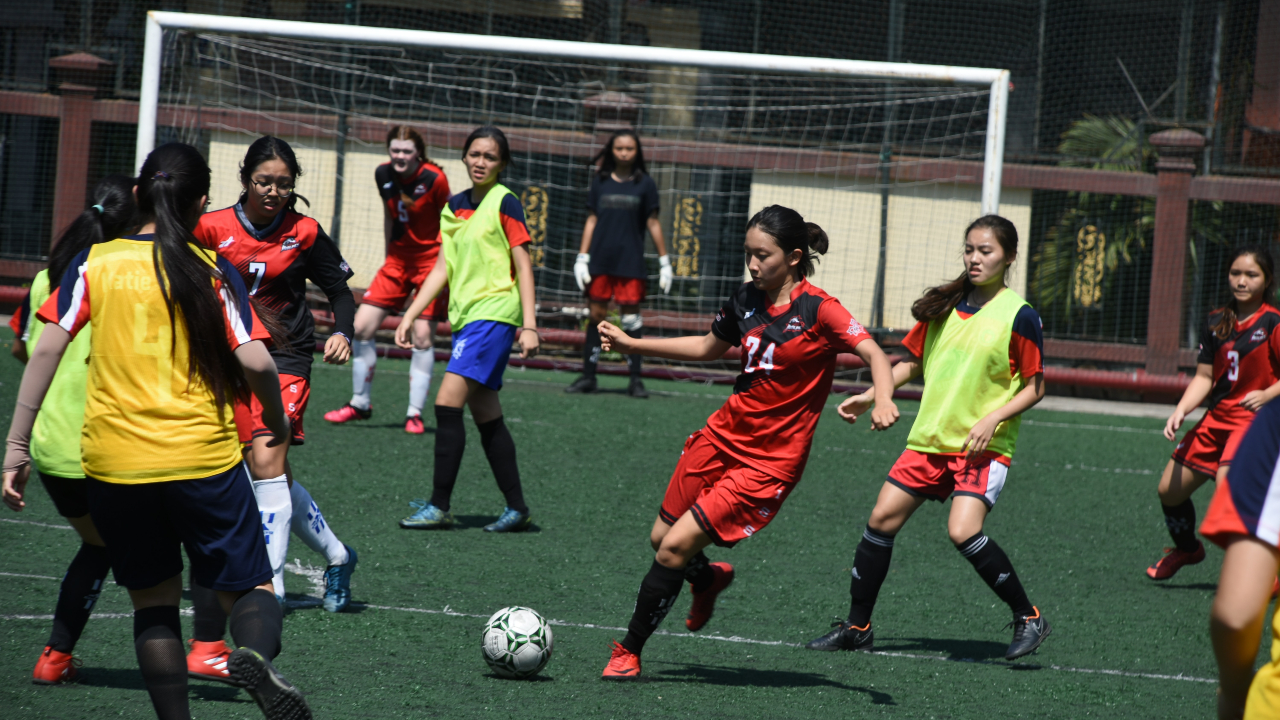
(791, 232)
(109, 216)
(494, 134)
(1227, 318)
(606, 163)
(170, 184)
(270, 148)
(939, 300)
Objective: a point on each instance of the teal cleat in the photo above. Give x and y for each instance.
(428, 517)
(511, 521)
(337, 583)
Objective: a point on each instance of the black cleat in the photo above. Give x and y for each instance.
(583, 384)
(277, 699)
(636, 389)
(845, 637)
(1028, 632)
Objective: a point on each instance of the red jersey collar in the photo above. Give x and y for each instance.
(800, 289)
(1263, 309)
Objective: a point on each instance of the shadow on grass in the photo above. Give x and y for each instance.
(397, 425)
(477, 522)
(535, 678)
(959, 650)
(217, 692)
(1189, 586)
(753, 677)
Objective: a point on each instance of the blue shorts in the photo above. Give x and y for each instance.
(480, 351)
(216, 519)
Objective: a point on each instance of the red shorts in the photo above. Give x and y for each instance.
(294, 392)
(935, 476)
(397, 279)
(1222, 522)
(729, 500)
(627, 291)
(1210, 444)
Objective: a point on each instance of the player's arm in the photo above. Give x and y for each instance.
(431, 287)
(691, 348)
(386, 230)
(264, 381)
(588, 231)
(879, 395)
(1197, 390)
(36, 379)
(527, 335)
(1238, 618)
(980, 436)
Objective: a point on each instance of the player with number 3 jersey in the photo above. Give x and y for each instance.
(1237, 372)
(736, 472)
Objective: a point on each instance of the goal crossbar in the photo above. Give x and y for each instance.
(158, 21)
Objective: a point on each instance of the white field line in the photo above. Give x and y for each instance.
(1073, 426)
(38, 577)
(316, 575)
(33, 522)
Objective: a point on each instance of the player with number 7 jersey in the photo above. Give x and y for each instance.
(735, 473)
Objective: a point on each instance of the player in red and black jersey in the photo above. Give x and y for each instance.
(277, 250)
(1237, 371)
(736, 472)
(414, 191)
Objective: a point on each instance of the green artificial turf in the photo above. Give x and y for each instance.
(1079, 518)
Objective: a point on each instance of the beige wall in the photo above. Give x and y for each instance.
(924, 239)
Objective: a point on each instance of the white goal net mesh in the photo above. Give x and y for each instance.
(890, 169)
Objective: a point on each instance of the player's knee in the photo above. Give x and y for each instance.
(960, 533)
(885, 522)
(671, 556)
(632, 322)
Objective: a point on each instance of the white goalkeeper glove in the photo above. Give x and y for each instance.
(665, 275)
(580, 271)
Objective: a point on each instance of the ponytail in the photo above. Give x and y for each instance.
(1226, 322)
(170, 184)
(940, 300)
(791, 233)
(107, 218)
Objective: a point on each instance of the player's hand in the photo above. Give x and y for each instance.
(855, 406)
(15, 486)
(1254, 400)
(580, 272)
(884, 416)
(979, 437)
(404, 333)
(612, 339)
(529, 342)
(665, 274)
(1172, 425)
(337, 351)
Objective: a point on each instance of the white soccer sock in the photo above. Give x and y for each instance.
(420, 378)
(363, 360)
(309, 524)
(276, 510)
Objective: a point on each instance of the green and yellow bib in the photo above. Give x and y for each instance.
(482, 282)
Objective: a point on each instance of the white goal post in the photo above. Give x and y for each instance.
(159, 21)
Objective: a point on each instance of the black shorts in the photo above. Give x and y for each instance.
(216, 519)
(70, 495)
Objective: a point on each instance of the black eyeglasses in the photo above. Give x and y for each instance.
(264, 188)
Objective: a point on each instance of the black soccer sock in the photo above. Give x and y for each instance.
(451, 442)
(658, 592)
(500, 449)
(591, 350)
(257, 622)
(996, 570)
(210, 622)
(870, 566)
(699, 573)
(633, 361)
(1181, 521)
(157, 640)
(80, 588)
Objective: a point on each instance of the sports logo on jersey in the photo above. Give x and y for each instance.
(749, 313)
(1259, 335)
(344, 267)
(420, 190)
(290, 243)
(386, 186)
(795, 324)
(226, 243)
(855, 328)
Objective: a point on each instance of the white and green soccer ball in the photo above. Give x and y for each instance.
(517, 642)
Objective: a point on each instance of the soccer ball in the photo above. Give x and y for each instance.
(517, 642)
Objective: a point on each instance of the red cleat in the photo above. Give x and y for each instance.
(347, 413)
(1173, 561)
(208, 661)
(704, 603)
(55, 668)
(623, 664)
(413, 425)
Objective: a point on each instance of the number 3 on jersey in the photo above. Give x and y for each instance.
(258, 269)
(1233, 373)
(766, 360)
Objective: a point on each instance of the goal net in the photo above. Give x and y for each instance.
(891, 167)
